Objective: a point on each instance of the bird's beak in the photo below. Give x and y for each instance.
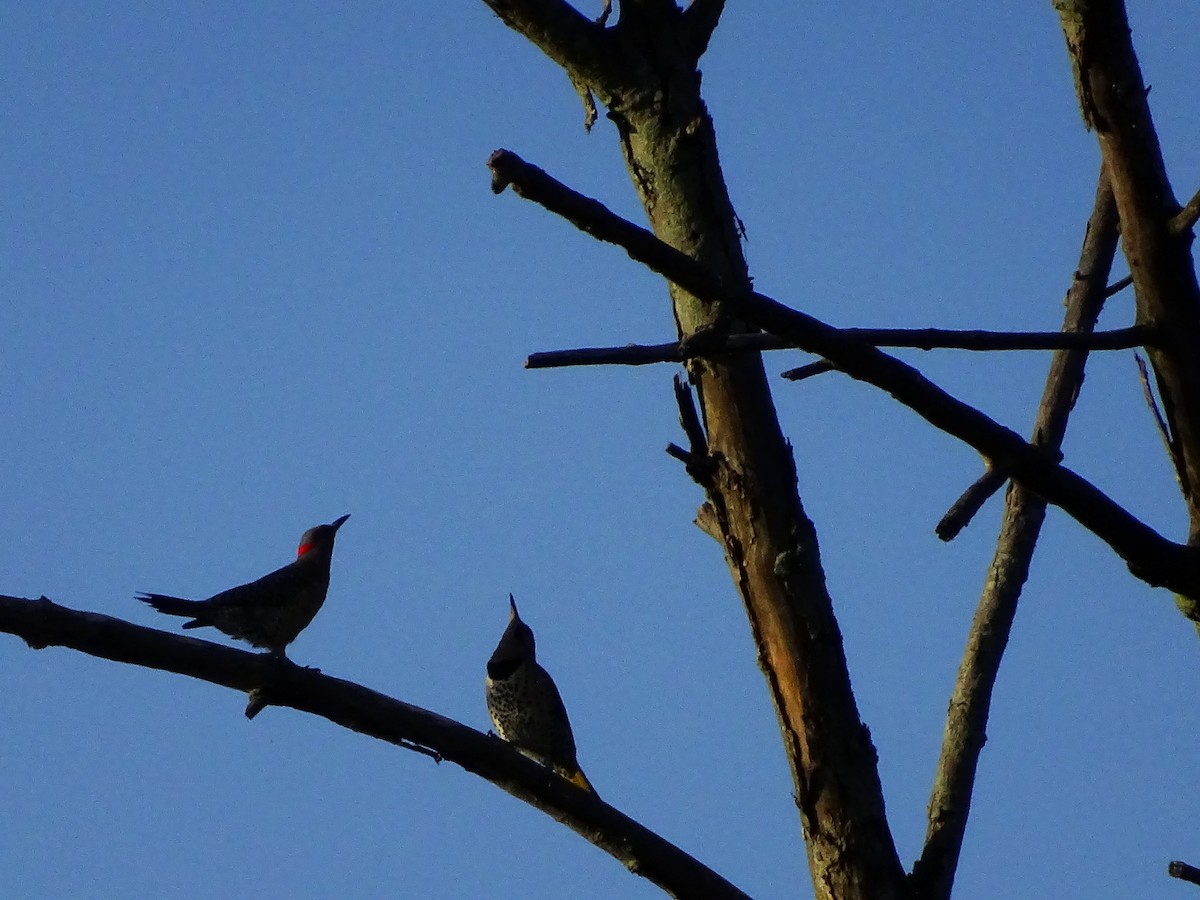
(337, 523)
(513, 606)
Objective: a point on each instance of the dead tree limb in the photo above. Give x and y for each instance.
(650, 87)
(918, 338)
(1184, 872)
(43, 623)
(971, 500)
(1155, 235)
(1149, 555)
(1187, 217)
(1117, 286)
(1024, 512)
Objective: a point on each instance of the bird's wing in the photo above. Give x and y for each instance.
(273, 589)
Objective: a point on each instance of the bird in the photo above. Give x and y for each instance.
(270, 612)
(525, 706)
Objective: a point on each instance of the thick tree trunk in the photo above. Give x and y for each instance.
(770, 544)
(644, 71)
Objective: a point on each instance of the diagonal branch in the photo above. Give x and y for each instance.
(966, 719)
(560, 31)
(43, 623)
(1149, 555)
(917, 338)
(646, 354)
(971, 500)
(1117, 286)
(1188, 216)
(1184, 872)
(700, 20)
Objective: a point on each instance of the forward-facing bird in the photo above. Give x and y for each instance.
(525, 705)
(271, 611)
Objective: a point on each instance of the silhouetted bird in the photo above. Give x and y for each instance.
(525, 705)
(271, 611)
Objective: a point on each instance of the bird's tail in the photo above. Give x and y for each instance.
(175, 606)
(578, 779)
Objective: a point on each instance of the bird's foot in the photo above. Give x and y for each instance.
(282, 657)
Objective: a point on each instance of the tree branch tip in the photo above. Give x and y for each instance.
(1181, 870)
(965, 508)
(500, 162)
(808, 370)
(679, 453)
(257, 703)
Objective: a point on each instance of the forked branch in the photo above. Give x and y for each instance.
(1149, 555)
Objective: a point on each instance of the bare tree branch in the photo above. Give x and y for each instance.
(1184, 872)
(645, 354)
(43, 624)
(696, 459)
(1113, 98)
(1188, 216)
(700, 19)
(1117, 286)
(1149, 555)
(582, 47)
(1164, 431)
(959, 515)
(808, 370)
(917, 338)
(1024, 512)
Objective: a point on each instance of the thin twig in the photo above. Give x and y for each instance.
(1148, 393)
(1149, 555)
(959, 515)
(918, 338)
(1188, 216)
(1117, 286)
(808, 370)
(1164, 431)
(43, 623)
(696, 458)
(644, 354)
(1024, 512)
(689, 417)
(946, 338)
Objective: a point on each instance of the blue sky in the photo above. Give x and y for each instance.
(254, 278)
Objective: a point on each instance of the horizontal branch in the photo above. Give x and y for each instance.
(917, 338)
(42, 623)
(1149, 555)
(645, 354)
(808, 370)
